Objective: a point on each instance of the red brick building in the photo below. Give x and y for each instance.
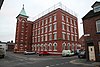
(23, 38)
(91, 24)
(53, 32)
(82, 42)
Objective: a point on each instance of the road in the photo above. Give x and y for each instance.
(20, 60)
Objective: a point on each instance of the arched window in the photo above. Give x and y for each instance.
(46, 47)
(64, 46)
(75, 46)
(55, 46)
(50, 47)
(41, 47)
(38, 47)
(68, 46)
(33, 47)
(72, 46)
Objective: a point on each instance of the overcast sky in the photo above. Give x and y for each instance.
(11, 8)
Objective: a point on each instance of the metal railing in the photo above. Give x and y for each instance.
(56, 6)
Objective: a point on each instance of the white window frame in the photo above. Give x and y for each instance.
(55, 25)
(50, 46)
(38, 38)
(55, 17)
(76, 38)
(64, 46)
(72, 37)
(63, 26)
(38, 31)
(55, 35)
(42, 22)
(97, 8)
(50, 36)
(46, 46)
(46, 29)
(39, 47)
(33, 39)
(35, 47)
(71, 20)
(98, 27)
(45, 37)
(75, 30)
(39, 23)
(63, 18)
(68, 46)
(67, 19)
(74, 22)
(68, 27)
(42, 38)
(42, 30)
(73, 46)
(42, 46)
(55, 46)
(99, 46)
(36, 25)
(46, 21)
(68, 36)
(50, 27)
(50, 19)
(64, 35)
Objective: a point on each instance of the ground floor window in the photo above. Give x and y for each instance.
(50, 46)
(63, 46)
(55, 46)
(38, 47)
(68, 46)
(33, 47)
(73, 47)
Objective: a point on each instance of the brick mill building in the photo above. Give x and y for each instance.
(53, 32)
(91, 24)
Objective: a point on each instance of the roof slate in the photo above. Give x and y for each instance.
(90, 14)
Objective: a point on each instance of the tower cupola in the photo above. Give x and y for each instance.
(22, 13)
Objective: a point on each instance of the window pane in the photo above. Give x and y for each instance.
(98, 25)
(99, 47)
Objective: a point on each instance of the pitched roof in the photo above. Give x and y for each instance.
(96, 3)
(22, 12)
(90, 14)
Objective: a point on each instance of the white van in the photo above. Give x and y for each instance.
(2, 52)
(67, 53)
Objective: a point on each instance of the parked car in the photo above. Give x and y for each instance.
(67, 53)
(76, 52)
(42, 53)
(2, 52)
(82, 54)
(29, 52)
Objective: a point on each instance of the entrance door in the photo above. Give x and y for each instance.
(91, 53)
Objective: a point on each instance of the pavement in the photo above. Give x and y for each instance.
(85, 62)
